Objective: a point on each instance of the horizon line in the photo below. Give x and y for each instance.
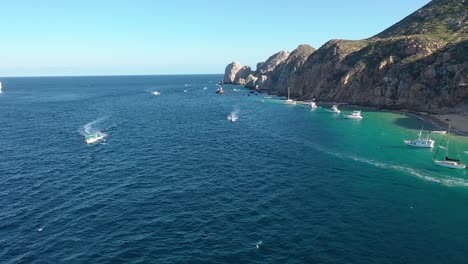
(110, 75)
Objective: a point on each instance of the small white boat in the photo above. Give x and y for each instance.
(156, 93)
(438, 132)
(420, 142)
(354, 115)
(232, 117)
(334, 109)
(220, 90)
(0, 87)
(449, 162)
(290, 101)
(311, 105)
(93, 138)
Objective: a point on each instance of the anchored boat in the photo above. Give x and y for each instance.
(451, 163)
(420, 142)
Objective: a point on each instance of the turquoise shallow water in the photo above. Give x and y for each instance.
(176, 182)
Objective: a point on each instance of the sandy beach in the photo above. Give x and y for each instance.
(459, 122)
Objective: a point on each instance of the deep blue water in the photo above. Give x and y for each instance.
(175, 182)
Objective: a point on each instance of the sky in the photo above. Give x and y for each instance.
(123, 37)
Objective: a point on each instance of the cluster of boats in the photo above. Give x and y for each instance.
(420, 142)
(427, 142)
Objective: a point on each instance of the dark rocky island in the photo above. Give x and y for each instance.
(419, 64)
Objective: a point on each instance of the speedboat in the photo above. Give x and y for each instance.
(420, 142)
(354, 115)
(156, 93)
(311, 105)
(334, 109)
(93, 138)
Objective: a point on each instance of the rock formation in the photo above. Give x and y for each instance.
(420, 64)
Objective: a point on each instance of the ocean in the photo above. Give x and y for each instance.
(175, 181)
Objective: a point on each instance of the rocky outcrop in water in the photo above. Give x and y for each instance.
(420, 64)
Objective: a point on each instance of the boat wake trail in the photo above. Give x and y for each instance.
(91, 129)
(423, 175)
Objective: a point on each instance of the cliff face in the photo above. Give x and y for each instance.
(420, 64)
(270, 75)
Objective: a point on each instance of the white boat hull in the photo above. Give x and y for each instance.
(93, 139)
(353, 117)
(449, 164)
(290, 102)
(415, 143)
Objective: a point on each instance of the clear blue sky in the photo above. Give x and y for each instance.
(99, 37)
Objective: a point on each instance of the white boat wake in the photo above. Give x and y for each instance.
(91, 134)
(446, 180)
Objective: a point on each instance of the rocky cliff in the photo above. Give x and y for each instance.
(420, 64)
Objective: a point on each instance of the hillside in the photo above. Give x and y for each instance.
(419, 64)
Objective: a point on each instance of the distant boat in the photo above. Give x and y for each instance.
(354, 115)
(311, 105)
(438, 132)
(420, 142)
(448, 162)
(220, 90)
(0, 87)
(232, 117)
(156, 93)
(290, 101)
(93, 138)
(334, 109)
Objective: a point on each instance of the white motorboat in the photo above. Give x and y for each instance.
(449, 162)
(93, 138)
(420, 142)
(0, 87)
(156, 93)
(354, 115)
(220, 90)
(290, 101)
(311, 105)
(334, 109)
(439, 132)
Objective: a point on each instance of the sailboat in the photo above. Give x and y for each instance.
(449, 162)
(290, 101)
(420, 142)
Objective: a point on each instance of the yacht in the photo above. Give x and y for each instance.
(93, 138)
(290, 101)
(156, 93)
(354, 115)
(0, 87)
(334, 109)
(420, 142)
(311, 105)
(449, 162)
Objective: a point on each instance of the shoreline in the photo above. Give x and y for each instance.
(458, 122)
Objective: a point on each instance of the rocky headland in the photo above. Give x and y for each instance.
(420, 64)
